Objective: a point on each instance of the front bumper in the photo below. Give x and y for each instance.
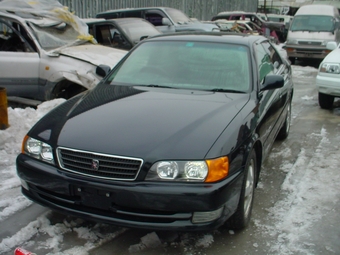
(150, 205)
(303, 52)
(328, 84)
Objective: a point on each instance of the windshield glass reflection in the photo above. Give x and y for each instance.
(313, 23)
(186, 65)
(56, 36)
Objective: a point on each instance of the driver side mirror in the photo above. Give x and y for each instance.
(166, 22)
(272, 81)
(102, 70)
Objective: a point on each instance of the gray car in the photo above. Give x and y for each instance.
(121, 33)
(166, 19)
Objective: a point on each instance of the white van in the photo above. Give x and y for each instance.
(312, 28)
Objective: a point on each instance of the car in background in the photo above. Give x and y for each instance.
(285, 19)
(121, 33)
(240, 26)
(167, 20)
(46, 52)
(313, 26)
(328, 77)
(269, 28)
(172, 139)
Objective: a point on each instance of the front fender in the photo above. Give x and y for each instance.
(87, 81)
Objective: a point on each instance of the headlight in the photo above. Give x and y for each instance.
(330, 68)
(37, 149)
(292, 41)
(211, 170)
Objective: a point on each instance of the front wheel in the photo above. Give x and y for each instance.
(241, 217)
(326, 101)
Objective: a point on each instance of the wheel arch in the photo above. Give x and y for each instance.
(64, 89)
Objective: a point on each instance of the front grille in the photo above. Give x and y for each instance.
(99, 165)
(310, 43)
(310, 51)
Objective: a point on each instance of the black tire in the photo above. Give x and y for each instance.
(284, 131)
(326, 101)
(241, 218)
(292, 60)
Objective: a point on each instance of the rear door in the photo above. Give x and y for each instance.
(19, 60)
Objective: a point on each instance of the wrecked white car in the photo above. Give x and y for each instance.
(46, 51)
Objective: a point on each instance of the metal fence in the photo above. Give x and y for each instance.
(200, 9)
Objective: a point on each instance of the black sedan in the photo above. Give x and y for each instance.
(172, 139)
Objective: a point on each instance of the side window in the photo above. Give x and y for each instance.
(275, 58)
(154, 18)
(13, 37)
(264, 64)
(5, 35)
(108, 35)
(103, 35)
(9, 37)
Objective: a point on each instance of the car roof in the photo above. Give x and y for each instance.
(235, 13)
(233, 21)
(99, 20)
(222, 37)
(135, 9)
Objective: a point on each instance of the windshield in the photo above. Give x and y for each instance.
(55, 36)
(177, 16)
(313, 23)
(136, 30)
(186, 65)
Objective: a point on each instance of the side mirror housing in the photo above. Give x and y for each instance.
(272, 81)
(103, 70)
(166, 22)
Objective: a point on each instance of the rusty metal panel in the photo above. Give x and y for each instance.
(200, 9)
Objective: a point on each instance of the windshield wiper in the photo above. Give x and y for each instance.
(159, 86)
(303, 30)
(226, 90)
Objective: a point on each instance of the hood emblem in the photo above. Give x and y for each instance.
(95, 164)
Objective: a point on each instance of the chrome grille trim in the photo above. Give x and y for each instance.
(111, 167)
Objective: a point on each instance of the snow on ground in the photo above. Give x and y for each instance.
(294, 215)
(311, 187)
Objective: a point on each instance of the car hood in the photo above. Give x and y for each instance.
(94, 54)
(154, 123)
